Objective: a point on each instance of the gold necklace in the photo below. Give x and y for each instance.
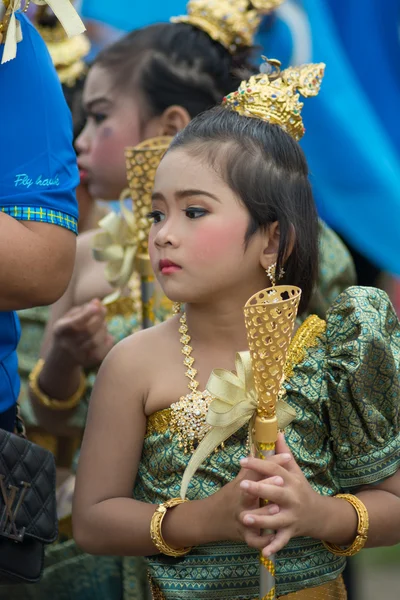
(188, 419)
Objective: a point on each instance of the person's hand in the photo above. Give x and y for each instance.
(82, 334)
(293, 508)
(240, 501)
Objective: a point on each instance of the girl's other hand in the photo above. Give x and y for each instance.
(82, 334)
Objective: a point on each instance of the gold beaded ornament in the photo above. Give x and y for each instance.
(188, 418)
(66, 53)
(141, 165)
(122, 241)
(274, 95)
(10, 27)
(232, 23)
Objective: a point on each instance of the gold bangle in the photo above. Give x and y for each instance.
(362, 528)
(52, 403)
(155, 529)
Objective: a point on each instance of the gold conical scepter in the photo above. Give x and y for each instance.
(141, 163)
(270, 317)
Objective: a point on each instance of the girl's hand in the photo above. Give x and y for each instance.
(82, 334)
(293, 509)
(237, 500)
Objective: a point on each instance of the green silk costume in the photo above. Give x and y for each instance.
(68, 572)
(344, 385)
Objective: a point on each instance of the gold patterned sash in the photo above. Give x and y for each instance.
(333, 590)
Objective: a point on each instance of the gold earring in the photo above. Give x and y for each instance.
(271, 272)
(176, 308)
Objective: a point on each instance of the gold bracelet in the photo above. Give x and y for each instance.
(362, 528)
(155, 529)
(52, 403)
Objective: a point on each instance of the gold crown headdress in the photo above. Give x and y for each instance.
(10, 28)
(66, 53)
(274, 96)
(232, 23)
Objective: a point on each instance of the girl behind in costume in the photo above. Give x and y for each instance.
(231, 201)
(150, 83)
(68, 56)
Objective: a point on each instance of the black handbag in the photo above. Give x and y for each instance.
(28, 513)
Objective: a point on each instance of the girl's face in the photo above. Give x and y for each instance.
(113, 123)
(197, 242)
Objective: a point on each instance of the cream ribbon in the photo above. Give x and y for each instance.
(234, 405)
(117, 245)
(64, 11)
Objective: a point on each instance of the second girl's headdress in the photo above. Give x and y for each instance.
(232, 23)
(274, 95)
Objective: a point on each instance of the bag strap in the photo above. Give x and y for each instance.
(20, 428)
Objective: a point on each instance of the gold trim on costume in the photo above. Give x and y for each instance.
(304, 338)
(158, 422)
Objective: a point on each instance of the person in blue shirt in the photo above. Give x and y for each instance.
(38, 208)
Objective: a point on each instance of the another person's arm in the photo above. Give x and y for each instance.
(38, 177)
(37, 263)
(75, 338)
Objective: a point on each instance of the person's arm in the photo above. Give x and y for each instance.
(106, 520)
(37, 260)
(38, 178)
(73, 335)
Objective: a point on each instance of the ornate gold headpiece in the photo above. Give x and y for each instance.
(273, 95)
(10, 28)
(232, 23)
(66, 53)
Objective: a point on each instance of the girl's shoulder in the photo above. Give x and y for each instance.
(144, 350)
(361, 329)
(347, 381)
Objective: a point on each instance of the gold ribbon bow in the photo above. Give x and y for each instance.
(63, 10)
(117, 245)
(234, 405)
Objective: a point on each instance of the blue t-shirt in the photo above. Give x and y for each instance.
(38, 170)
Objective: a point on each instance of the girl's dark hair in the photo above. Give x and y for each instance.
(267, 169)
(73, 95)
(174, 64)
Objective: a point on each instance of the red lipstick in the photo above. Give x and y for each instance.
(167, 267)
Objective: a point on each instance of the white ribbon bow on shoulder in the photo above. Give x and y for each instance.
(234, 405)
(64, 11)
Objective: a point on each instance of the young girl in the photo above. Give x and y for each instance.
(231, 201)
(150, 83)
